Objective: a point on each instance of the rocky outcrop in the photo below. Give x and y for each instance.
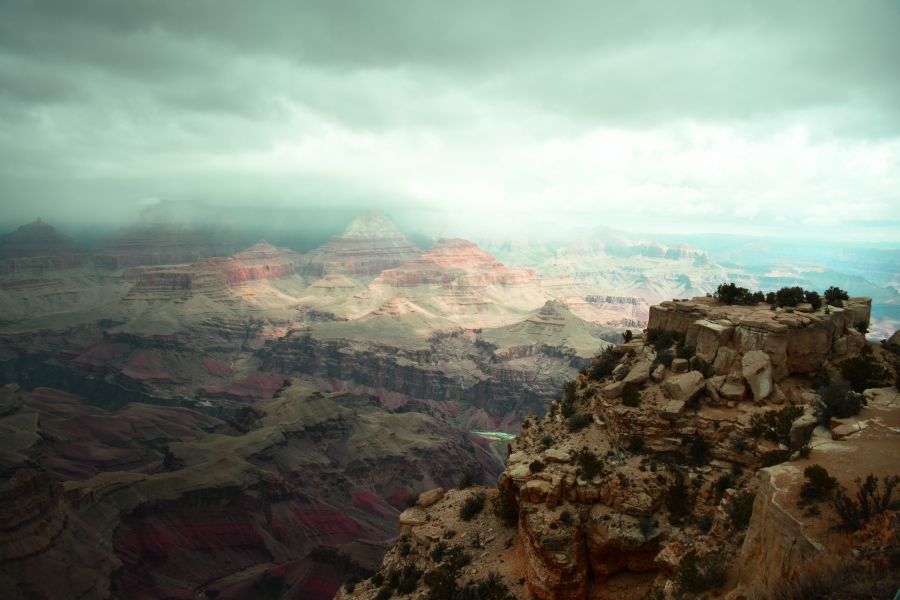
(369, 245)
(796, 342)
(654, 497)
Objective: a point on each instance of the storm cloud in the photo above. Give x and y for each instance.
(752, 117)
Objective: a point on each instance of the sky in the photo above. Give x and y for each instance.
(470, 118)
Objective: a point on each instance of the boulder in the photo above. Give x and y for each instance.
(756, 367)
(680, 365)
(673, 409)
(536, 490)
(613, 390)
(685, 386)
(724, 361)
(659, 373)
(557, 455)
(639, 373)
(430, 497)
(802, 429)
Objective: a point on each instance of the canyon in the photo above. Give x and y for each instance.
(265, 415)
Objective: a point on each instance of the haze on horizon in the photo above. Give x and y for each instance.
(754, 118)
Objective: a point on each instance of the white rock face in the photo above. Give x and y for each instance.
(757, 371)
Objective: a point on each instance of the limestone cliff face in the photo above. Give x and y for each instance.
(795, 341)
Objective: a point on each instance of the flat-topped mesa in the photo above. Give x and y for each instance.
(457, 263)
(369, 245)
(34, 247)
(213, 276)
(796, 340)
(164, 244)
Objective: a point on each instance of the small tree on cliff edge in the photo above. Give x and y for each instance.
(835, 296)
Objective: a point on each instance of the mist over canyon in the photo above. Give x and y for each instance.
(449, 300)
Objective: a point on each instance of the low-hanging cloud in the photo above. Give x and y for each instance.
(749, 117)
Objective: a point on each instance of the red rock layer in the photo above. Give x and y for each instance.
(455, 262)
(213, 275)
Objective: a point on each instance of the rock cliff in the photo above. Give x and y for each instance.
(646, 480)
(796, 341)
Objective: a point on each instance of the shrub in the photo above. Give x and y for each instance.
(835, 296)
(627, 336)
(704, 524)
(775, 425)
(579, 422)
(863, 372)
(723, 483)
(631, 396)
(819, 483)
(814, 300)
(685, 351)
(770, 298)
(862, 327)
(384, 593)
(437, 553)
(409, 579)
(838, 400)
(404, 548)
(636, 443)
(546, 441)
(467, 480)
(695, 575)
(536, 466)
(647, 526)
(741, 509)
(678, 500)
(565, 517)
(660, 339)
(603, 364)
(350, 584)
(590, 465)
(790, 296)
(870, 501)
(665, 358)
(699, 451)
(378, 579)
(729, 293)
(472, 506)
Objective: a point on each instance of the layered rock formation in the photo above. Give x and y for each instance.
(369, 245)
(455, 263)
(280, 496)
(214, 276)
(642, 482)
(796, 341)
(165, 243)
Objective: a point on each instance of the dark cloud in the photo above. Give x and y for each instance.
(106, 102)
